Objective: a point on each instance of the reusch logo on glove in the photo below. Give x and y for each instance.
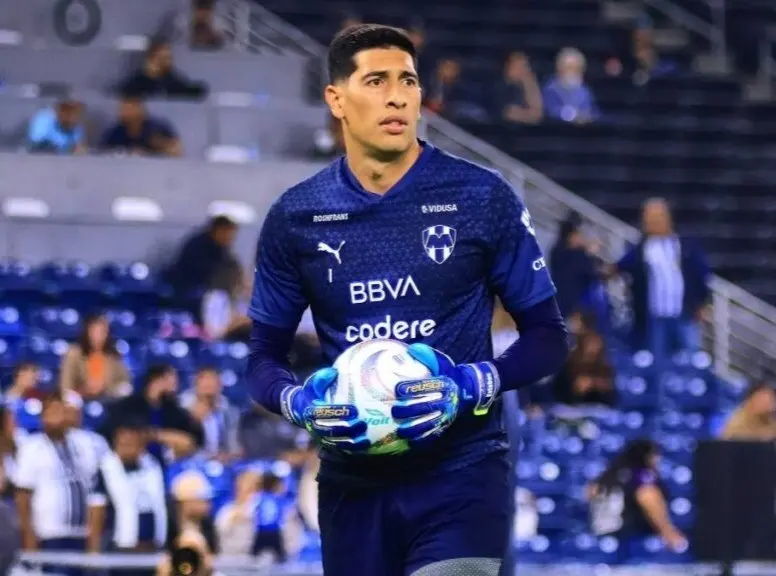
(329, 412)
(425, 386)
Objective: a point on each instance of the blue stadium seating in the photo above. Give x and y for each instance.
(560, 452)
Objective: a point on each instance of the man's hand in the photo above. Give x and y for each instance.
(333, 425)
(427, 407)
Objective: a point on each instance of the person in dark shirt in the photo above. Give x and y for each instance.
(572, 267)
(171, 428)
(203, 33)
(204, 255)
(629, 500)
(157, 78)
(518, 97)
(138, 133)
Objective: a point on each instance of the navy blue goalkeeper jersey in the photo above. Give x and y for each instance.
(421, 263)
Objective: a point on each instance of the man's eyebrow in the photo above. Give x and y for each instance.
(384, 74)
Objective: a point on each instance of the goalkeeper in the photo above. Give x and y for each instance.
(401, 240)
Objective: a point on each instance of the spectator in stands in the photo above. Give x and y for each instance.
(139, 134)
(92, 366)
(572, 266)
(55, 471)
(417, 33)
(566, 96)
(267, 436)
(669, 285)
(204, 35)
(236, 520)
(24, 383)
(129, 500)
(225, 305)
(192, 495)
(216, 417)
(174, 433)
(58, 129)
(158, 77)
(755, 418)
(644, 62)
(518, 96)
(629, 500)
(272, 512)
(587, 377)
(205, 255)
(447, 94)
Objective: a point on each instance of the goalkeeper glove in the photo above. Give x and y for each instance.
(336, 426)
(425, 408)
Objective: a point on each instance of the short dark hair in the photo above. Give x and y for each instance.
(354, 39)
(156, 372)
(220, 222)
(54, 397)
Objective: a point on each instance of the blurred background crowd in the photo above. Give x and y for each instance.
(125, 266)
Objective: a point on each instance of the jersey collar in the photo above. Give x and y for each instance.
(352, 183)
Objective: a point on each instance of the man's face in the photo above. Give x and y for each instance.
(208, 386)
(449, 70)
(131, 111)
(54, 416)
(656, 219)
(225, 236)
(379, 104)
(763, 402)
(517, 67)
(571, 70)
(161, 59)
(128, 444)
(69, 115)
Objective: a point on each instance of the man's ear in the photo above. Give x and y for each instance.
(333, 96)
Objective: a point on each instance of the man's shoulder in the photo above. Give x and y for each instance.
(313, 188)
(449, 171)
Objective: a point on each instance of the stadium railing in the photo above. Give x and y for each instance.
(740, 332)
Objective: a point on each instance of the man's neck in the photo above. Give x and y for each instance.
(56, 435)
(377, 175)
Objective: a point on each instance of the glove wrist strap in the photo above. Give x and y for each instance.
(286, 403)
(486, 384)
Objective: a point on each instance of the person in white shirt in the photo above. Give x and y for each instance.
(236, 521)
(53, 477)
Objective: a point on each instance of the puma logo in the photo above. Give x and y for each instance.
(323, 247)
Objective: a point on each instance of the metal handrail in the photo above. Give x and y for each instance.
(713, 31)
(731, 305)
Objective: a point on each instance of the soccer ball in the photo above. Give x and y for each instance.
(367, 376)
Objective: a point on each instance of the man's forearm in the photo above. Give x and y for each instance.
(268, 372)
(541, 349)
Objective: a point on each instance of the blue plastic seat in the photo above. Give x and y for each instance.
(177, 353)
(46, 352)
(9, 351)
(11, 321)
(57, 322)
(541, 476)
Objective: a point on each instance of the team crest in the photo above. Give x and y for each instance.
(439, 242)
